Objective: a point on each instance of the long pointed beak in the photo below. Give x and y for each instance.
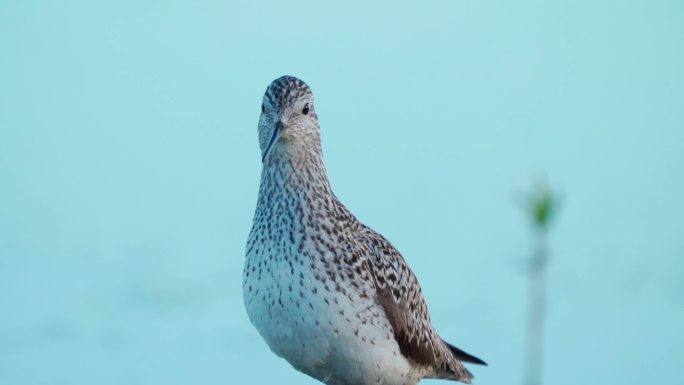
(277, 131)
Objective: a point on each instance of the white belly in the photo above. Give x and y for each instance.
(339, 339)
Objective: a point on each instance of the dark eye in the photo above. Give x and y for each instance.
(263, 108)
(305, 111)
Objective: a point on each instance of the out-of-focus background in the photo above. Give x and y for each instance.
(129, 169)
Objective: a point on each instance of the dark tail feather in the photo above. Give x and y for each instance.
(463, 356)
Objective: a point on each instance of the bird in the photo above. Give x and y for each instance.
(327, 293)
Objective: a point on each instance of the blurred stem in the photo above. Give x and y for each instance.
(537, 310)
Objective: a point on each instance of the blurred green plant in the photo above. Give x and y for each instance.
(541, 206)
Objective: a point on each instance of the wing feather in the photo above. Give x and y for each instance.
(400, 295)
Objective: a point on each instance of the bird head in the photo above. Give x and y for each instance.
(287, 117)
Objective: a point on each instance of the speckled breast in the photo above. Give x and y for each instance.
(282, 301)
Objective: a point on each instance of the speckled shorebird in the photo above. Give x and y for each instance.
(327, 293)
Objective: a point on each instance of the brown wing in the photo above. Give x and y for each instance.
(400, 295)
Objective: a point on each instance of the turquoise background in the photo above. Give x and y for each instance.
(129, 169)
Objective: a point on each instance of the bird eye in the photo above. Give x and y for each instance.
(263, 108)
(305, 111)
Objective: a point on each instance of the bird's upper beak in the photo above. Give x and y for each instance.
(277, 132)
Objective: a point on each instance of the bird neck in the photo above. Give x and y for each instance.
(295, 176)
(296, 200)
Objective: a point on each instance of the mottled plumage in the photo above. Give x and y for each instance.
(327, 293)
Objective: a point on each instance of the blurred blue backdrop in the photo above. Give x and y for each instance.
(129, 169)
